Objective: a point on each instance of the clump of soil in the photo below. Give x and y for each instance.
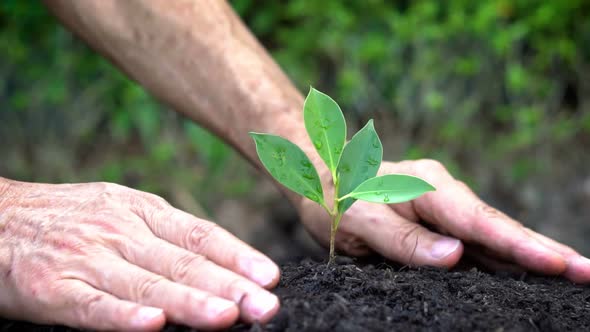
(378, 297)
(381, 298)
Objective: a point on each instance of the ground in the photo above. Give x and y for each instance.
(378, 296)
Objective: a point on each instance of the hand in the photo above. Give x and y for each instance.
(462, 223)
(106, 257)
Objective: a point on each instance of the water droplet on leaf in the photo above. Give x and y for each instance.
(308, 176)
(318, 188)
(372, 161)
(279, 156)
(318, 144)
(386, 198)
(323, 123)
(311, 195)
(305, 163)
(376, 143)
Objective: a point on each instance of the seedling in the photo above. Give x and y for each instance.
(353, 164)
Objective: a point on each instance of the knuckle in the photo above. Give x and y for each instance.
(198, 238)
(147, 287)
(182, 267)
(111, 194)
(463, 186)
(88, 307)
(107, 187)
(430, 165)
(487, 212)
(124, 246)
(432, 170)
(149, 206)
(155, 201)
(405, 240)
(484, 214)
(101, 186)
(104, 199)
(239, 288)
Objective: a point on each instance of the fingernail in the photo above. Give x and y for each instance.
(259, 304)
(444, 247)
(217, 306)
(585, 261)
(147, 314)
(260, 270)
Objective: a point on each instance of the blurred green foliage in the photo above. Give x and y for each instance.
(68, 115)
(470, 82)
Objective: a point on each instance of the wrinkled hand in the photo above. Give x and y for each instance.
(462, 223)
(103, 256)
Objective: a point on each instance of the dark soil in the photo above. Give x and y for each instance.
(379, 297)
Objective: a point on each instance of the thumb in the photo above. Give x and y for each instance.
(399, 239)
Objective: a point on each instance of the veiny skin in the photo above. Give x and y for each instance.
(102, 256)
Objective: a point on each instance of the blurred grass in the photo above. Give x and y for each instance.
(489, 87)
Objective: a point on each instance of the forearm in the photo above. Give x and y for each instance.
(197, 57)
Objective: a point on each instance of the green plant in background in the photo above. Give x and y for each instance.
(68, 115)
(468, 82)
(353, 165)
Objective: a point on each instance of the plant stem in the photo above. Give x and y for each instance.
(335, 217)
(333, 228)
(332, 240)
(334, 220)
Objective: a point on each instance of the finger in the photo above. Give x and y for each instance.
(89, 308)
(183, 266)
(206, 238)
(578, 266)
(465, 216)
(554, 245)
(454, 207)
(399, 239)
(181, 304)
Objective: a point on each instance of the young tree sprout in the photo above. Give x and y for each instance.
(353, 165)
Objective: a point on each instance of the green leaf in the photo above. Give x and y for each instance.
(391, 188)
(289, 165)
(360, 161)
(326, 127)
